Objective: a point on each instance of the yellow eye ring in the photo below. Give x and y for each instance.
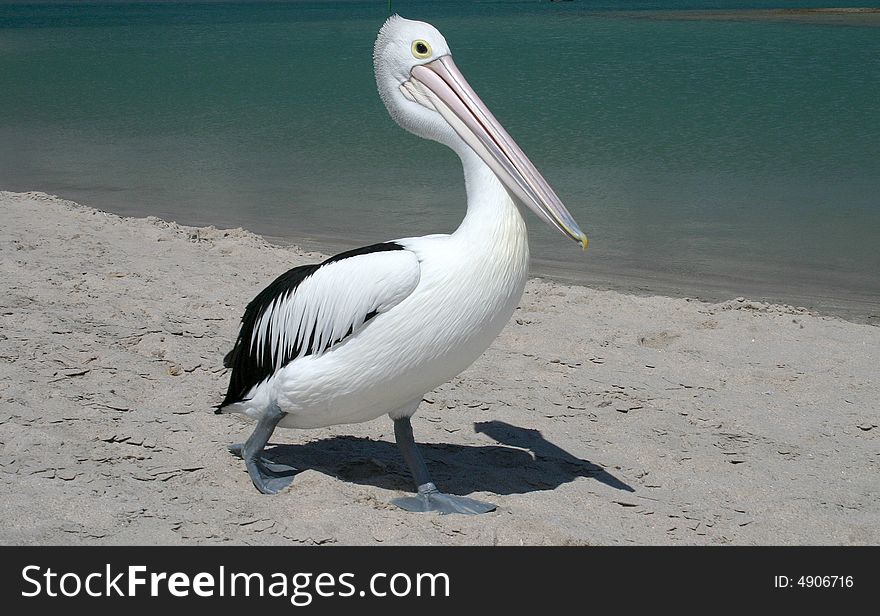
(421, 49)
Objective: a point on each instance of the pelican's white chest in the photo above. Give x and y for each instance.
(469, 286)
(471, 283)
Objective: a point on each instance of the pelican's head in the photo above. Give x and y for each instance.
(427, 95)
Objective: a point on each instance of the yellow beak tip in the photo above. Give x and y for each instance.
(584, 242)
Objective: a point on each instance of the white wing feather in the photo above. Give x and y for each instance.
(335, 300)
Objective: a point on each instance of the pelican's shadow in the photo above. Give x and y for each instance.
(523, 461)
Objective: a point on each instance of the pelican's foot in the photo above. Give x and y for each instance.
(268, 477)
(431, 499)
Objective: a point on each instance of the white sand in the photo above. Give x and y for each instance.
(596, 418)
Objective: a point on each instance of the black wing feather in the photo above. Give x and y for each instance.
(248, 369)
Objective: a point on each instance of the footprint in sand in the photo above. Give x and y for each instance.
(658, 340)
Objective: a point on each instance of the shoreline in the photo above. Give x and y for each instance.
(800, 296)
(800, 293)
(595, 418)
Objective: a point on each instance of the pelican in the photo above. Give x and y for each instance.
(371, 331)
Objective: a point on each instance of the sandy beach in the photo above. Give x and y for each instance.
(596, 417)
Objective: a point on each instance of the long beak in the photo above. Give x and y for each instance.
(440, 85)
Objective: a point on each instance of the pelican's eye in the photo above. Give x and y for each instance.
(421, 49)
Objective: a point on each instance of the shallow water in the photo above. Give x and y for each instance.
(703, 157)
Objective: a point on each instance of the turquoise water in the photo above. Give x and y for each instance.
(702, 157)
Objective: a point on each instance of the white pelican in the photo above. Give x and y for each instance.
(372, 330)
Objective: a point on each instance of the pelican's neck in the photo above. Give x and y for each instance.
(492, 215)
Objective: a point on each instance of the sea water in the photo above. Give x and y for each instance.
(702, 156)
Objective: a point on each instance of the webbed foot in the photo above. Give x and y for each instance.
(268, 477)
(430, 498)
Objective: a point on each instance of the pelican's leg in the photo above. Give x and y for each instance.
(268, 477)
(429, 497)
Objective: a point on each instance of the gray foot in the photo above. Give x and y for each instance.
(268, 477)
(432, 499)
